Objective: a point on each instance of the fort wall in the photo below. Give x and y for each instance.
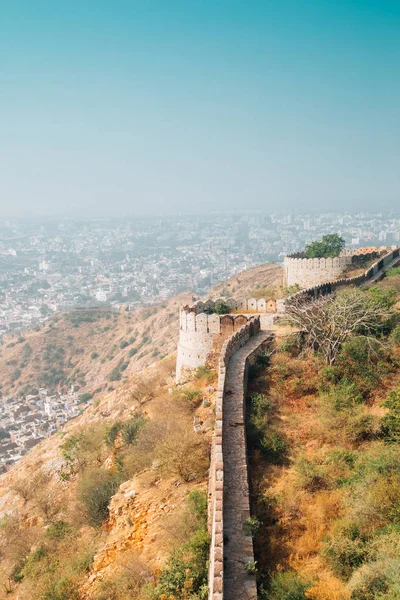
(216, 476)
(201, 334)
(229, 467)
(376, 271)
(309, 272)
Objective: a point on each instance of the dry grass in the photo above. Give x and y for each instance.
(299, 520)
(328, 588)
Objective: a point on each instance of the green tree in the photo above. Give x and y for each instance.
(329, 246)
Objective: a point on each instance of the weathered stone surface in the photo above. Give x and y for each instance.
(238, 549)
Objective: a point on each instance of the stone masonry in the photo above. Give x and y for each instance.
(239, 584)
(228, 490)
(201, 335)
(309, 272)
(217, 476)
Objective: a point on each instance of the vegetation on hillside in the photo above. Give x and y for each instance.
(49, 545)
(328, 321)
(323, 431)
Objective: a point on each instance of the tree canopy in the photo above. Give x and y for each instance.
(329, 246)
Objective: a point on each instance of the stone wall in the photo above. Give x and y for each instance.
(261, 305)
(233, 344)
(216, 476)
(201, 335)
(375, 271)
(309, 272)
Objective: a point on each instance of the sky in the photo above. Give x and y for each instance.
(113, 108)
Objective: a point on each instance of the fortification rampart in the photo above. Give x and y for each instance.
(202, 332)
(374, 272)
(257, 305)
(309, 272)
(216, 476)
(228, 469)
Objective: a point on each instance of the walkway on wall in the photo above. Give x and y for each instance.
(393, 263)
(238, 548)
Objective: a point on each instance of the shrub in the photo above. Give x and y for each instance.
(123, 344)
(274, 446)
(17, 574)
(197, 506)
(392, 272)
(182, 452)
(191, 396)
(112, 433)
(58, 530)
(251, 567)
(27, 351)
(260, 409)
(187, 567)
(292, 344)
(390, 423)
(357, 363)
(131, 428)
(361, 427)
(85, 448)
(85, 397)
(311, 476)
(380, 503)
(126, 585)
(132, 352)
(395, 335)
(378, 580)
(62, 589)
(260, 405)
(287, 586)
(220, 308)
(96, 491)
(94, 355)
(115, 375)
(251, 526)
(204, 372)
(343, 395)
(16, 375)
(346, 550)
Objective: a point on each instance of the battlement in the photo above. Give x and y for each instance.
(257, 305)
(202, 331)
(328, 287)
(309, 272)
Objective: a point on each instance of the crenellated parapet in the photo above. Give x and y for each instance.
(199, 323)
(309, 272)
(377, 270)
(202, 331)
(256, 305)
(216, 476)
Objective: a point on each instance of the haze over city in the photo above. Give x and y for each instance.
(127, 108)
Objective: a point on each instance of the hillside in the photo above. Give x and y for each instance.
(134, 450)
(324, 462)
(93, 349)
(114, 505)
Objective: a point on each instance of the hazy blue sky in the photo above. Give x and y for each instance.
(113, 107)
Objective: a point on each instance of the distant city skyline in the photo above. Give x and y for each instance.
(141, 108)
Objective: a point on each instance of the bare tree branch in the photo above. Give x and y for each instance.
(329, 321)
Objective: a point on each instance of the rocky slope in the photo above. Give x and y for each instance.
(137, 437)
(44, 493)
